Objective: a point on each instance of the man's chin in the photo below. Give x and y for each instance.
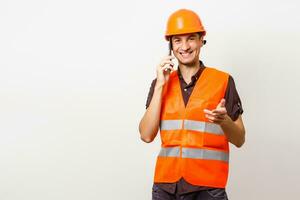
(188, 62)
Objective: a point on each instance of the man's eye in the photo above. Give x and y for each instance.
(192, 38)
(176, 41)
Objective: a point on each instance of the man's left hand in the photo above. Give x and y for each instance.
(218, 115)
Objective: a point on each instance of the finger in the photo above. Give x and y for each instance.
(215, 112)
(208, 111)
(215, 121)
(166, 68)
(172, 69)
(221, 104)
(211, 121)
(210, 117)
(169, 57)
(217, 116)
(219, 111)
(166, 62)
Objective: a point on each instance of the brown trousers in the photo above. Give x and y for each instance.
(209, 194)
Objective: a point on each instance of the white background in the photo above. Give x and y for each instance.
(74, 77)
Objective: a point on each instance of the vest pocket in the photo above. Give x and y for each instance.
(171, 138)
(214, 141)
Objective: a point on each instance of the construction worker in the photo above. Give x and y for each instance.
(198, 111)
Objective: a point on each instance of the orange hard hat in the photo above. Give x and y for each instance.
(183, 21)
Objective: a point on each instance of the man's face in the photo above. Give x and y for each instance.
(186, 48)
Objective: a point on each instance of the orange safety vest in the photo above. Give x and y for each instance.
(192, 147)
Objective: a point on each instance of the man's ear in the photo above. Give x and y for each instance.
(202, 40)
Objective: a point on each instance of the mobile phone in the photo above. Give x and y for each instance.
(170, 53)
(170, 48)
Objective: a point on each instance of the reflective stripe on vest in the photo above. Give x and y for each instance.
(166, 125)
(170, 152)
(204, 154)
(170, 124)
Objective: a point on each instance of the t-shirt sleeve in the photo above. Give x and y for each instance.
(233, 102)
(150, 94)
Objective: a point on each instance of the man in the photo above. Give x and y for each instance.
(198, 111)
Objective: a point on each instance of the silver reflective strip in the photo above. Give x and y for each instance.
(203, 127)
(170, 152)
(205, 154)
(170, 124)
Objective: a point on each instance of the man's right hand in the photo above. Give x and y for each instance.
(164, 69)
(149, 124)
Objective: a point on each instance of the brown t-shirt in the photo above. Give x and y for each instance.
(234, 109)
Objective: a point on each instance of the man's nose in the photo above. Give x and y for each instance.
(185, 46)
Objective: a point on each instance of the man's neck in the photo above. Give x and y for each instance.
(188, 71)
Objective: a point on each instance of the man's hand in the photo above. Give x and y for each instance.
(234, 130)
(218, 115)
(163, 70)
